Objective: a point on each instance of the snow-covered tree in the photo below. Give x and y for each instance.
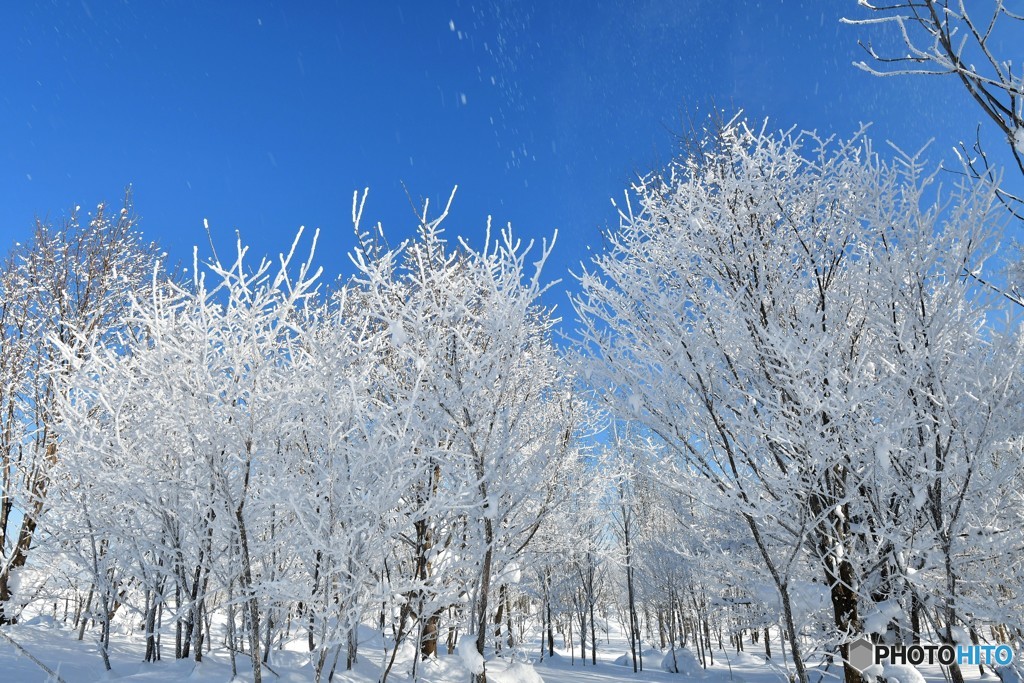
(971, 41)
(498, 417)
(735, 315)
(950, 352)
(71, 282)
(241, 447)
(206, 367)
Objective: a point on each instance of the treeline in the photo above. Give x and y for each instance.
(791, 414)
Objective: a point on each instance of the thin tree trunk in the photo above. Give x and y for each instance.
(782, 585)
(634, 623)
(251, 604)
(483, 594)
(593, 636)
(85, 617)
(150, 626)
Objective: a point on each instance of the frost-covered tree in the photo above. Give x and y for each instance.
(70, 283)
(971, 41)
(498, 416)
(570, 562)
(205, 367)
(243, 449)
(735, 315)
(950, 354)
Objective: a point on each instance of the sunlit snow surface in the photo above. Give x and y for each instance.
(79, 662)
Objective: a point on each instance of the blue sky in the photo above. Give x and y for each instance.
(263, 116)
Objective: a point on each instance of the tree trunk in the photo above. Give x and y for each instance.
(150, 626)
(508, 618)
(634, 622)
(482, 597)
(915, 619)
(782, 585)
(551, 635)
(844, 607)
(352, 648)
(251, 604)
(429, 636)
(593, 636)
(5, 596)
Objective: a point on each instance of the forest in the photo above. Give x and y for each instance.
(788, 412)
(783, 419)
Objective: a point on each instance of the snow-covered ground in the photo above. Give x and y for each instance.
(57, 648)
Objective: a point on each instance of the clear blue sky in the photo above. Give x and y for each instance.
(263, 116)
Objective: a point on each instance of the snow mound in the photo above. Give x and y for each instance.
(649, 657)
(43, 620)
(517, 672)
(682, 661)
(471, 659)
(895, 673)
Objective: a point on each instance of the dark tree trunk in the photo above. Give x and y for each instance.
(482, 597)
